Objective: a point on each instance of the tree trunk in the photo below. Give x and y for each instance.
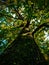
(23, 51)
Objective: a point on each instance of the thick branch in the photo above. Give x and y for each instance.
(19, 15)
(39, 27)
(6, 4)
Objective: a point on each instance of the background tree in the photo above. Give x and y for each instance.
(24, 32)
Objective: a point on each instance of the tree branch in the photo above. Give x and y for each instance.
(6, 4)
(19, 15)
(40, 26)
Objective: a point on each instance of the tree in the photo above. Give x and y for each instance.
(20, 20)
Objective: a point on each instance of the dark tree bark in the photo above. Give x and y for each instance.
(23, 51)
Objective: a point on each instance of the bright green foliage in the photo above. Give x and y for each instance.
(36, 11)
